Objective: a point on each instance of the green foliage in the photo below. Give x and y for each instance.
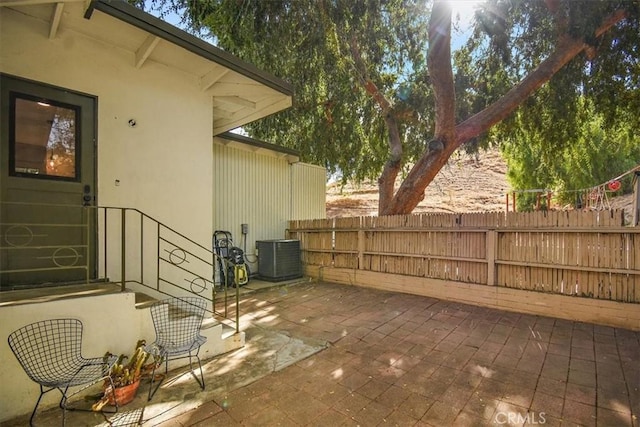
(335, 122)
(512, 38)
(592, 155)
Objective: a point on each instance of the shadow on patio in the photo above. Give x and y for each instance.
(325, 354)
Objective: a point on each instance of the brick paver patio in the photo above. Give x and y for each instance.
(396, 359)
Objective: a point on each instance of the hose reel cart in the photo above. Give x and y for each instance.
(233, 269)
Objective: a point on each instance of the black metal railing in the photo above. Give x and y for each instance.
(49, 244)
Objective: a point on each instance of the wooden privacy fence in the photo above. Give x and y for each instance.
(589, 254)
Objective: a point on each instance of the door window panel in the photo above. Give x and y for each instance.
(44, 139)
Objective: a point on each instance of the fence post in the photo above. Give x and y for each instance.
(361, 248)
(123, 251)
(491, 238)
(636, 199)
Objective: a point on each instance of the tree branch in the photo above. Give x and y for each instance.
(424, 171)
(566, 50)
(365, 80)
(411, 192)
(387, 180)
(441, 72)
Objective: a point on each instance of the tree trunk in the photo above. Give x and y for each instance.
(386, 183)
(448, 138)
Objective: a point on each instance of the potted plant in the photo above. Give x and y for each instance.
(125, 375)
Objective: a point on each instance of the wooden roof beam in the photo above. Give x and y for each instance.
(236, 100)
(219, 112)
(55, 20)
(212, 77)
(145, 49)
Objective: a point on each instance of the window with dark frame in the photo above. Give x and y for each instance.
(43, 139)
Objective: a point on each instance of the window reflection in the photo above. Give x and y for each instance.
(44, 139)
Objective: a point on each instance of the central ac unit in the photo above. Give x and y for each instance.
(279, 259)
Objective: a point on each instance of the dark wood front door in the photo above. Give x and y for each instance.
(47, 187)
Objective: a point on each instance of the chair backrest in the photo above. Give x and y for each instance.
(177, 321)
(47, 348)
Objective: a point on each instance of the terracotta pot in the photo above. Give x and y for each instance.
(124, 394)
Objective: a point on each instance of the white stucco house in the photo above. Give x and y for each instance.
(117, 166)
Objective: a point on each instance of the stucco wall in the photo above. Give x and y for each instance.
(163, 164)
(111, 323)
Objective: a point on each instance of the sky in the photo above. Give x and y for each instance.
(462, 9)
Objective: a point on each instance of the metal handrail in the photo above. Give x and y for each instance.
(151, 255)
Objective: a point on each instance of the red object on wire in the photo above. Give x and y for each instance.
(614, 185)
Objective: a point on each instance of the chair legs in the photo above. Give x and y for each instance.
(152, 390)
(200, 380)
(42, 392)
(62, 404)
(63, 401)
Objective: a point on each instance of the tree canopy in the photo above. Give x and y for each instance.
(598, 154)
(378, 92)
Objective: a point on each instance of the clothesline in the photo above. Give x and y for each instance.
(583, 190)
(595, 197)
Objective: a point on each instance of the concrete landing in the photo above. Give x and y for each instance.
(265, 351)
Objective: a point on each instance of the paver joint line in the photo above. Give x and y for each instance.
(371, 357)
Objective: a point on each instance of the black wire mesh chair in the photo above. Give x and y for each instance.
(177, 322)
(50, 352)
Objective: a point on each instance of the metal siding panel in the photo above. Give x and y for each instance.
(308, 191)
(253, 189)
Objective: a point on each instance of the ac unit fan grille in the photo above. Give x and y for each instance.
(279, 259)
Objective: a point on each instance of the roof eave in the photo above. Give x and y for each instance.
(258, 144)
(149, 23)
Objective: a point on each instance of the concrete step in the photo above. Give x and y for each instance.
(144, 300)
(221, 337)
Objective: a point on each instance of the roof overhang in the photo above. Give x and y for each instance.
(235, 140)
(240, 92)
